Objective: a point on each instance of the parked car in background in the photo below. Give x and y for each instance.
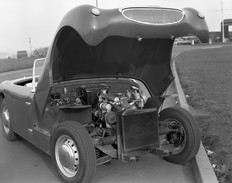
(100, 92)
(186, 40)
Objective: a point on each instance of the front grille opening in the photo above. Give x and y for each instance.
(154, 16)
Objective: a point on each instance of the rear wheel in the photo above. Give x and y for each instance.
(73, 153)
(181, 137)
(6, 122)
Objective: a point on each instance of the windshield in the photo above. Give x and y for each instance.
(38, 64)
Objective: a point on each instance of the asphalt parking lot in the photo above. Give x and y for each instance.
(20, 162)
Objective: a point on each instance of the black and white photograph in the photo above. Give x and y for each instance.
(113, 91)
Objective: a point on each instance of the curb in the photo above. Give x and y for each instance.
(202, 168)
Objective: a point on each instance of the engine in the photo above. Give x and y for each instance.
(107, 102)
(109, 105)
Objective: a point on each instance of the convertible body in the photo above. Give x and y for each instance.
(99, 93)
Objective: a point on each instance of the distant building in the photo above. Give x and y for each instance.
(216, 36)
(227, 23)
(21, 54)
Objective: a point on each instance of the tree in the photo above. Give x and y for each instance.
(40, 52)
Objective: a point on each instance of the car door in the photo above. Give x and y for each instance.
(20, 104)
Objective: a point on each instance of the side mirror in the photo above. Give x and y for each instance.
(33, 73)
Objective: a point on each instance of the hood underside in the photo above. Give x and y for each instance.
(116, 56)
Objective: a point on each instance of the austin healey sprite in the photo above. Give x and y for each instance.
(100, 92)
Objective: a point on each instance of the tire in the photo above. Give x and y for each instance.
(6, 123)
(187, 135)
(73, 153)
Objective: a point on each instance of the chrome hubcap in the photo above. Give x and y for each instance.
(6, 120)
(67, 156)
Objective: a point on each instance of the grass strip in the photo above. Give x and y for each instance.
(206, 76)
(16, 64)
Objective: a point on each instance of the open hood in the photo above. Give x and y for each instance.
(116, 56)
(130, 42)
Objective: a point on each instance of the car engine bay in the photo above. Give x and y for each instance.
(109, 102)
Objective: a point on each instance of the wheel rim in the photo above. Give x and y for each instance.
(6, 119)
(67, 156)
(175, 136)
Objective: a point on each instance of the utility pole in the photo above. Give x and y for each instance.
(97, 3)
(223, 32)
(223, 23)
(30, 45)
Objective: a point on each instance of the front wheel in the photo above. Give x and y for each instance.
(181, 134)
(73, 153)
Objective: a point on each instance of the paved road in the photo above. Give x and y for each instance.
(21, 162)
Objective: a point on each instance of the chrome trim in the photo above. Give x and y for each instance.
(95, 11)
(201, 15)
(151, 8)
(28, 103)
(137, 7)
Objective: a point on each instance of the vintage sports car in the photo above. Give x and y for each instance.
(101, 88)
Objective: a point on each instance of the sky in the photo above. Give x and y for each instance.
(37, 20)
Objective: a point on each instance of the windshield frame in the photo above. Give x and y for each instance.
(34, 76)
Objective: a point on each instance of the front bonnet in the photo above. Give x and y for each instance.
(130, 42)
